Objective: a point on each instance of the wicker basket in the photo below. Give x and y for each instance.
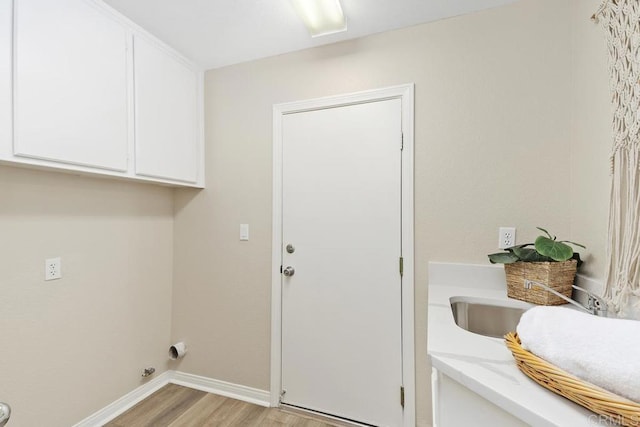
(557, 275)
(602, 402)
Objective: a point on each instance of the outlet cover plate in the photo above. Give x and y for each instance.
(506, 237)
(52, 269)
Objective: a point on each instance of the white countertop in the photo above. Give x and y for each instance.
(483, 364)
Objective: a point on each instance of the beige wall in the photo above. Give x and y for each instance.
(493, 129)
(591, 136)
(72, 346)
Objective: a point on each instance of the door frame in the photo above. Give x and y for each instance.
(406, 95)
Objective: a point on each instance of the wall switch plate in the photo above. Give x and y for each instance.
(52, 268)
(244, 231)
(506, 237)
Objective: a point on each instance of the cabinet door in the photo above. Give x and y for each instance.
(5, 79)
(70, 99)
(166, 100)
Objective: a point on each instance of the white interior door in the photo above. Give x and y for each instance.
(341, 309)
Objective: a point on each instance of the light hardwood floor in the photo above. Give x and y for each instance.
(177, 406)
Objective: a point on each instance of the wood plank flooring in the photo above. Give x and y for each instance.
(177, 406)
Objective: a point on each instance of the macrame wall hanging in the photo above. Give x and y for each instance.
(621, 21)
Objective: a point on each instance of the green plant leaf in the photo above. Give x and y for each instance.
(573, 243)
(530, 255)
(557, 251)
(503, 258)
(524, 245)
(547, 233)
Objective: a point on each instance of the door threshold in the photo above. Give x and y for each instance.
(321, 416)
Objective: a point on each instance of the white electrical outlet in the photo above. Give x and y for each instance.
(52, 268)
(506, 237)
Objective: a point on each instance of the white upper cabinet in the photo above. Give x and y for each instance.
(166, 110)
(5, 75)
(84, 89)
(70, 95)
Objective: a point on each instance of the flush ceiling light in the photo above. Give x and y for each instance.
(321, 17)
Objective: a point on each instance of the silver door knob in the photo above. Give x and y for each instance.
(289, 271)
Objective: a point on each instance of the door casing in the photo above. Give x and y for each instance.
(406, 94)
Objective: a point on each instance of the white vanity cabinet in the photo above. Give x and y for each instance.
(84, 89)
(456, 405)
(5, 75)
(70, 98)
(166, 110)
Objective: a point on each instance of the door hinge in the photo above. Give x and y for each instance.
(402, 396)
(401, 266)
(401, 141)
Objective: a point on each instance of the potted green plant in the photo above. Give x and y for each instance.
(548, 261)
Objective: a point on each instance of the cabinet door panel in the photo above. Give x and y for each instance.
(166, 115)
(5, 79)
(70, 84)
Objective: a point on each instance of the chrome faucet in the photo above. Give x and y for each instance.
(595, 305)
(5, 413)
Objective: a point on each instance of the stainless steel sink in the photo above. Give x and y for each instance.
(491, 318)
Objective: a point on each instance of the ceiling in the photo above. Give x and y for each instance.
(215, 33)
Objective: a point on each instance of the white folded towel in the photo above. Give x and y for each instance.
(599, 350)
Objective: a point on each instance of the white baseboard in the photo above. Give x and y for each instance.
(222, 388)
(127, 401)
